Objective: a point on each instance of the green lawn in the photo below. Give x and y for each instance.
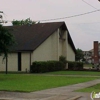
(31, 82)
(95, 88)
(91, 73)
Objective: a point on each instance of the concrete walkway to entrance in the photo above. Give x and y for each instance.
(60, 93)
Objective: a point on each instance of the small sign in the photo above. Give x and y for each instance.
(95, 95)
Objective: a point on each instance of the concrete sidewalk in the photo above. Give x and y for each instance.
(60, 93)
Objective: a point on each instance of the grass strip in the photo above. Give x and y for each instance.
(91, 73)
(95, 88)
(30, 82)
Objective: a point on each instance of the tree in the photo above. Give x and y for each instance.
(79, 54)
(23, 22)
(6, 40)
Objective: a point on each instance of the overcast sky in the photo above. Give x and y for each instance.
(83, 29)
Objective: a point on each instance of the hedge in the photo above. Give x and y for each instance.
(75, 65)
(46, 66)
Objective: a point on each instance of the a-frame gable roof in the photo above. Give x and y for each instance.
(29, 37)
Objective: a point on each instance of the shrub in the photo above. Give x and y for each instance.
(62, 59)
(46, 66)
(75, 66)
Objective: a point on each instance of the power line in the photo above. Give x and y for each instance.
(77, 15)
(90, 23)
(72, 16)
(89, 4)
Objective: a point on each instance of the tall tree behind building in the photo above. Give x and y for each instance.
(23, 22)
(79, 55)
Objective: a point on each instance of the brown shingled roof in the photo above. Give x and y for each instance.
(29, 37)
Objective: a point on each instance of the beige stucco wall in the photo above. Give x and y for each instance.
(12, 63)
(25, 57)
(48, 50)
(63, 45)
(2, 63)
(70, 53)
(52, 48)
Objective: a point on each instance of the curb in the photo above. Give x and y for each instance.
(75, 98)
(6, 99)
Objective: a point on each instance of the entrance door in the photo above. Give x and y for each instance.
(19, 61)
